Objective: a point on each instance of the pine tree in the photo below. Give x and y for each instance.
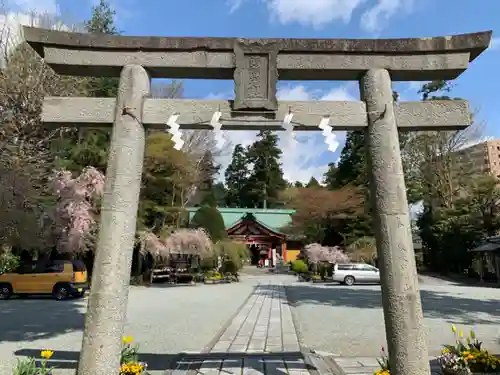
(266, 179)
(220, 193)
(209, 171)
(330, 176)
(313, 183)
(351, 167)
(236, 176)
(89, 147)
(102, 22)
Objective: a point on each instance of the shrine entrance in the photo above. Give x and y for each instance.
(255, 65)
(256, 254)
(265, 244)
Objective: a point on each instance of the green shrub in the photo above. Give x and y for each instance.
(299, 266)
(229, 266)
(213, 275)
(322, 271)
(8, 262)
(208, 263)
(236, 252)
(210, 219)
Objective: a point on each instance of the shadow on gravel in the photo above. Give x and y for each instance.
(460, 280)
(455, 309)
(187, 361)
(39, 318)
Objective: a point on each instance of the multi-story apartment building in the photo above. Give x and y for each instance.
(481, 159)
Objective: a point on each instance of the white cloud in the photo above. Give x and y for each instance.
(495, 44)
(18, 13)
(318, 13)
(415, 85)
(234, 5)
(35, 6)
(416, 209)
(306, 158)
(314, 13)
(375, 18)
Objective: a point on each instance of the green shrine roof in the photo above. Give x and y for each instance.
(274, 219)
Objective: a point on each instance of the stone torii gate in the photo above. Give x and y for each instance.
(255, 65)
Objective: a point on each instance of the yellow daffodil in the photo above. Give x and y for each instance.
(472, 334)
(46, 354)
(445, 350)
(461, 334)
(132, 368)
(453, 329)
(127, 340)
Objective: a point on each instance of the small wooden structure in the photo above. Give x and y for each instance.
(177, 268)
(489, 250)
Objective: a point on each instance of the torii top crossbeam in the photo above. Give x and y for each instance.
(255, 65)
(410, 59)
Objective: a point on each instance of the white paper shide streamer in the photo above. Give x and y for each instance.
(288, 126)
(174, 129)
(217, 126)
(330, 138)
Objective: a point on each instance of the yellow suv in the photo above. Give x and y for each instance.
(60, 278)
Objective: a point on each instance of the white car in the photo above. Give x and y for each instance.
(350, 273)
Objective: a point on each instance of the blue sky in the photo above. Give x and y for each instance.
(311, 19)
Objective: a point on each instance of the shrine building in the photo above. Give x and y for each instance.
(260, 229)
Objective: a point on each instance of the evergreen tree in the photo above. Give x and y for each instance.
(266, 179)
(298, 184)
(209, 171)
(210, 219)
(330, 176)
(220, 193)
(102, 22)
(90, 147)
(313, 183)
(236, 176)
(351, 167)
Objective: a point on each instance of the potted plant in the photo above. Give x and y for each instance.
(29, 366)
(467, 356)
(213, 277)
(300, 269)
(129, 358)
(317, 278)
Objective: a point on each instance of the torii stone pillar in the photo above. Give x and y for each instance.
(255, 65)
(107, 305)
(398, 272)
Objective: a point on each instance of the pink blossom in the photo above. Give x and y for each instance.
(76, 211)
(153, 245)
(189, 241)
(318, 253)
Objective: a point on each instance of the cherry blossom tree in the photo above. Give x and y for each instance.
(150, 243)
(76, 213)
(317, 253)
(189, 241)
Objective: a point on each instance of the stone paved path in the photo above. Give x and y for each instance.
(335, 365)
(261, 339)
(264, 324)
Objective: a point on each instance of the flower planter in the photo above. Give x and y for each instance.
(217, 281)
(465, 372)
(318, 281)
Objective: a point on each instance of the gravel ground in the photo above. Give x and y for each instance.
(348, 321)
(163, 320)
